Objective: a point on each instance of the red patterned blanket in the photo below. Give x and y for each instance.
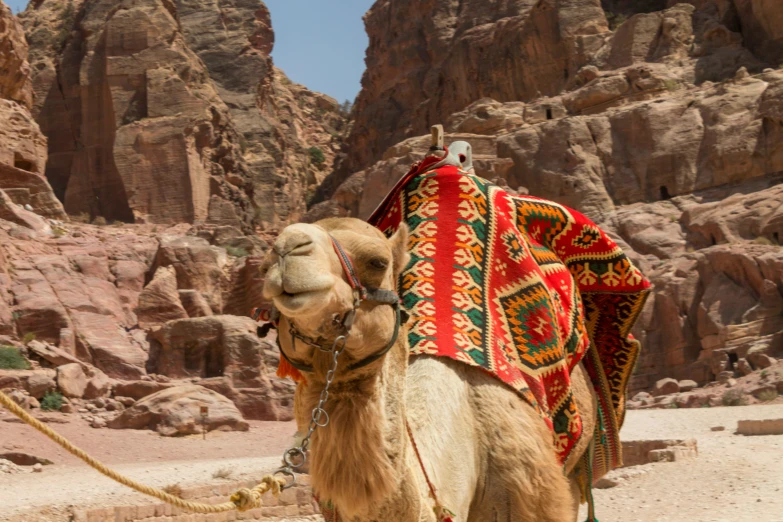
(522, 287)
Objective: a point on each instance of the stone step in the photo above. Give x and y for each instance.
(296, 501)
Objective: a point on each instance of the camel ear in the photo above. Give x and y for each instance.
(399, 244)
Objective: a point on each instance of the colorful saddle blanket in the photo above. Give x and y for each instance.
(522, 287)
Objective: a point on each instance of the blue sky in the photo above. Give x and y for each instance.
(318, 46)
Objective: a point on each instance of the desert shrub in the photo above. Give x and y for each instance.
(767, 395)
(52, 401)
(28, 338)
(223, 473)
(68, 20)
(671, 85)
(83, 217)
(58, 232)
(173, 489)
(345, 108)
(761, 240)
(236, 251)
(12, 359)
(100, 221)
(316, 155)
(734, 398)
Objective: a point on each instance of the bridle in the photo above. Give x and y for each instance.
(294, 458)
(271, 316)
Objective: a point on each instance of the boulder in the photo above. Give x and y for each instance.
(159, 301)
(98, 384)
(743, 367)
(138, 389)
(687, 385)
(14, 213)
(51, 354)
(111, 349)
(760, 360)
(764, 392)
(39, 383)
(641, 396)
(22, 398)
(666, 387)
(71, 380)
(176, 411)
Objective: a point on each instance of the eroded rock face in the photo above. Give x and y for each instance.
(22, 145)
(665, 130)
(177, 411)
(222, 345)
(159, 302)
(15, 82)
(172, 111)
(427, 60)
(154, 140)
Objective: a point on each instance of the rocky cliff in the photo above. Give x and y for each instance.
(172, 111)
(22, 145)
(661, 121)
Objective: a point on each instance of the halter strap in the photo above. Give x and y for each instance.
(302, 367)
(350, 272)
(271, 315)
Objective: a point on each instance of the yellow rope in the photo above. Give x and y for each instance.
(242, 500)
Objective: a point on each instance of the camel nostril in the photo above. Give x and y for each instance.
(293, 242)
(301, 250)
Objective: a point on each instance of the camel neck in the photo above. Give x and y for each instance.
(358, 459)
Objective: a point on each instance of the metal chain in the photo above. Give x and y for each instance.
(295, 457)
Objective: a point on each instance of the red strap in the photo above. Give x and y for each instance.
(350, 272)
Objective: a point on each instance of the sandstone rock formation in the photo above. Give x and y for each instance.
(22, 145)
(665, 130)
(177, 411)
(71, 380)
(225, 351)
(15, 82)
(123, 302)
(428, 60)
(169, 112)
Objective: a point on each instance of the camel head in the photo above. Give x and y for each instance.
(309, 287)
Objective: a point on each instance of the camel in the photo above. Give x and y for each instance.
(487, 453)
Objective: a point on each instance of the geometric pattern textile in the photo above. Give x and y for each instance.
(522, 287)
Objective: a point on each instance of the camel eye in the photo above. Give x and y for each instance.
(379, 263)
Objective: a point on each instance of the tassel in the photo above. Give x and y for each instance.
(443, 514)
(284, 369)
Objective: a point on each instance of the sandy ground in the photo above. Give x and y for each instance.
(141, 454)
(735, 478)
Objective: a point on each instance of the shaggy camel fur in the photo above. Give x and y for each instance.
(487, 452)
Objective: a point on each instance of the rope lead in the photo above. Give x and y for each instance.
(243, 500)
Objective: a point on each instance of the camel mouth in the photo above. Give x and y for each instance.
(296, 302)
